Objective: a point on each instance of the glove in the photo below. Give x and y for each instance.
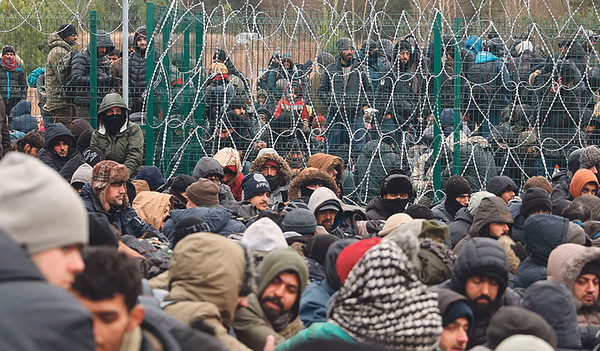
(520, 250)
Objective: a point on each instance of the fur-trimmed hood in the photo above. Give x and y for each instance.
(565, 264)
(284, 168)
(310, 174)
(327, 163)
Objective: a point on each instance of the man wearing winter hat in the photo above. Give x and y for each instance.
(327, 208)
(535, 201)
(107, 193)
(463, 220)
(41, 258)
(256, 192)
(503, 187)
(273, 310)
(345, 89)
(457, 318)
(299, 225)
(277, 172)
(211, 169)
(395, 191)
(203, 202)
(60, 44)
(458, 191)
(480, 273)
(82, 175)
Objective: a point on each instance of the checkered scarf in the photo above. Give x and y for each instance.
(382, 301)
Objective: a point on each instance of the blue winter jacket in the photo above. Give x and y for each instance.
(217, 217)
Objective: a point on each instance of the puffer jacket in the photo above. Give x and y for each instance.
(207, 166)
(230, 158)
(205, 278)
(542, 234)
(307, 175)
(441, 214)
(279, 194)
(554, 303)
(313, 304)
(79, 83)
(251, 324)
(217, 217)
(482, 256)
(4, 132)
(48, 155)
(58, 49)
(37, 315)
(564, 266)
(127, 146)
(137, 73)
(13, 86)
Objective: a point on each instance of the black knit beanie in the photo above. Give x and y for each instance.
(65, 30)
(535, 199)
(455, 186)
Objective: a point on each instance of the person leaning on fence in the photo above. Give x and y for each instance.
(345, 89)
(60, 44)
(79, 83)
(13, 80)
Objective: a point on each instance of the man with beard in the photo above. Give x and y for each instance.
(480, 273)
(327, 208)
(578, 268)
(256, 197)
(59, 147)
(457, 197)
(273, 309)
(277, 172)
(395, 192)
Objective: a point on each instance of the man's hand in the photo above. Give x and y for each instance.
(270, 344)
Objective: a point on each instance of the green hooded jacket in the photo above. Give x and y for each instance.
(127, 146)
(251, 324)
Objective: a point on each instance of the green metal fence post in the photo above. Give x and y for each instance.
(149, 87)
(93, 69)
(437, 133)
(457, 92)
(168, 147)
(199, 111)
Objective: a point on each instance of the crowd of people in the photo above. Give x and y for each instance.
(263, 250)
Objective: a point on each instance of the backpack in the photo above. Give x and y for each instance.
(64, 73)
(156, 254)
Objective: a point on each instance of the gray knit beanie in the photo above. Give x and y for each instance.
(342, 44)
(590, 156)
(301, 221)
(28, 188)
(575, 234)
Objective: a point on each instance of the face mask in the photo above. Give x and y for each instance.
(113, 123)
(395, 206)
(273, 181)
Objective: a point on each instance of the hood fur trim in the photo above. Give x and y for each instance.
(307, 175)
(284, 168)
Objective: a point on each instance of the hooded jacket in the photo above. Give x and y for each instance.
(324, 196)
(581, 178)
(217, 217)
(542, 234)
(307, 175)
(79, 83)
(127, 146)
(35, 314)
(48, 155)
(209, 166)
(328, 163)
(150, 206)
(58, 49)
(21, 118)
(313, 304)
(487, 257)
(280, 193)
(553, 302)
(205, 279)
(564, 266)
(500, 184)
(230, 158)
(251, 324)
(491, 210)
(137, 72)
(459, 228)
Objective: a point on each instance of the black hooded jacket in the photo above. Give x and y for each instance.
(137, 72)
(35, 314)
(48, 155)
(79, 83)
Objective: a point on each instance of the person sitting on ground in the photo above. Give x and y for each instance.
(59, 147)
(209, 168)
(277, 172)
(395, 192)
(457, 318)
(273, 310)
(328, 210)
(256, 197)
(308, 181)
(584, 182)
(232, 168)
(458, 191)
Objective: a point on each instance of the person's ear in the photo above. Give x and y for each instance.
(136, 316)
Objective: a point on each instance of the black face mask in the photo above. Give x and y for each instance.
(394, 206)
(113, 123)
(273, 181)
(452, 206)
